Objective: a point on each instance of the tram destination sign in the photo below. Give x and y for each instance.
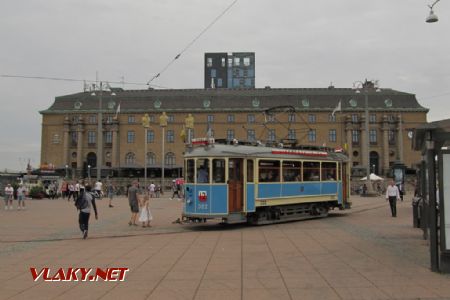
(300, 152)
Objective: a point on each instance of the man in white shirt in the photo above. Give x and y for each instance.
(21, 193)
(392, 194)
(76, 190)
(9, 194)
(98, 188)
(151, 190)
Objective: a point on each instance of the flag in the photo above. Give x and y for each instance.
(117, 111)
(338, 108)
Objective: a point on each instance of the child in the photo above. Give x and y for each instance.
(145, 216)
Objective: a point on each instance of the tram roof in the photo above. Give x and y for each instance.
(219, 150)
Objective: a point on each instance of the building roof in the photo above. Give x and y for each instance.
(205, 100)
(440, 130)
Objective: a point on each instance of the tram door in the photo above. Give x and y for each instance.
(345, 183)
(235, 184)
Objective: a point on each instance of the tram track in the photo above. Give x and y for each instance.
(184, 228)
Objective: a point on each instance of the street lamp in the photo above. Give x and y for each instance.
(432, 18)
(189, 124)
(163, 123)
(101, 88)
(67, 171)
(366, 87)
(89, 174)
(146, 124)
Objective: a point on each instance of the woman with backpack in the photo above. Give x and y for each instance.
(84, 203)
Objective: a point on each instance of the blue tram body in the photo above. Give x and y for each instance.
(260, 185)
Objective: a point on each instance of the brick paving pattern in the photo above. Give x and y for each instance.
(362, 253)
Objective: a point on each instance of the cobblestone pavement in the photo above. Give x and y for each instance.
(361, 253)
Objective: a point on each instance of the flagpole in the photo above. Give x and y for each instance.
(117, 111)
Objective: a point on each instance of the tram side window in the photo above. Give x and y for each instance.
(250, 171)
(292, 171)
(190, 169)
(269, 171)
(203, 170)
(218, 170)
(329, 171)
(311, 171)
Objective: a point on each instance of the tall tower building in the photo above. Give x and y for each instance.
(230, 70)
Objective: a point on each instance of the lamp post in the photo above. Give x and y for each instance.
(67, 171)
(100, 88)
(189, 124)
(366, 87)
(146, 124)
(432, 18)
(163, 123)
(89, 174)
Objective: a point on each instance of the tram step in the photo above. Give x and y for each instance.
(235, 218)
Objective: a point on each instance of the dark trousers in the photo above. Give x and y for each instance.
(393, 205)
(83, 220)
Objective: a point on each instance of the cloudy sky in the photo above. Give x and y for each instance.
(297, 43)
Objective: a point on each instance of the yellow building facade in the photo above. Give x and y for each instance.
(307, 116)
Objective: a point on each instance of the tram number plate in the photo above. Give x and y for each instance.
(202, 206)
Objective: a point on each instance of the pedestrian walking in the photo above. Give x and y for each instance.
(133, 201)
(85, 203)
(158, 191)
(76, 190)
(145, 215)
(401, 190)
(175, 190)
(152, 189)
(9, 195)
(21, 193)
(110, 191)
(52, 190)
(64, 189)
(98, 188)
(364, 189)
(392, 194)
(70, 191)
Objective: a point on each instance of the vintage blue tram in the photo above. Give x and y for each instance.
(260, 185)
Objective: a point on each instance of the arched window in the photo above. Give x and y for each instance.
(170, 159)
(91, 159)
(130, 158)
(151, 158)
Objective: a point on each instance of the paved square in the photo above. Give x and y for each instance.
(362, 253)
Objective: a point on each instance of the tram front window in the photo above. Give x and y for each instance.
(328, 171)
(190, 169)
(203, 171)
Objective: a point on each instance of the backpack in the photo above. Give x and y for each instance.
(81, 202)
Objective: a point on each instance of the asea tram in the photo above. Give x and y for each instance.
(237, 182)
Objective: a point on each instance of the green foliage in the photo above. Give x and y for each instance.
(36, 192)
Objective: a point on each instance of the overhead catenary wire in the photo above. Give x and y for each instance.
(78, 80)
(192, 42)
